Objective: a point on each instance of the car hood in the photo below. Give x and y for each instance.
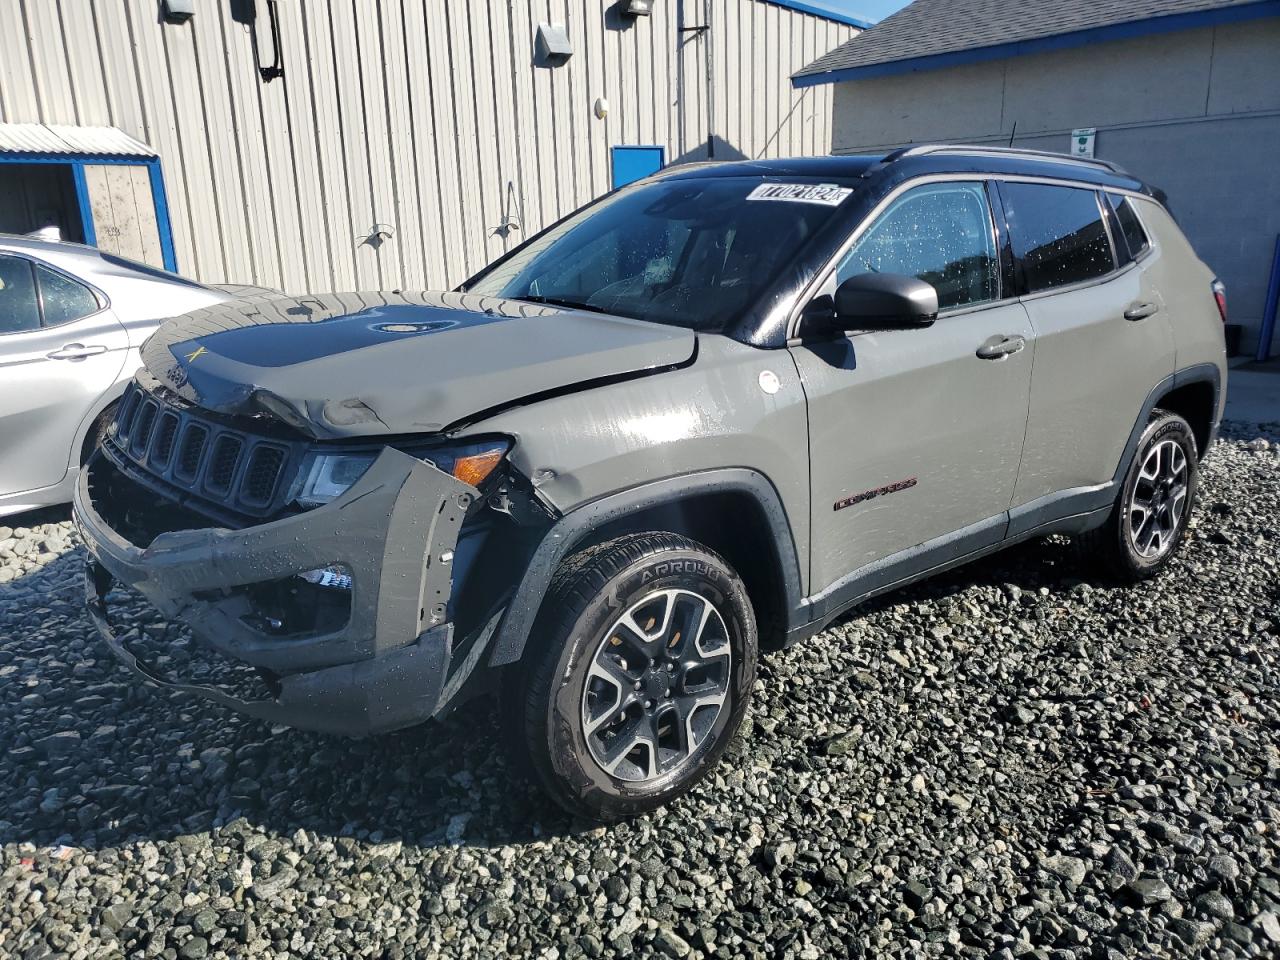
(360, 364)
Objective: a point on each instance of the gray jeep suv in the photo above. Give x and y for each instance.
(706, 414)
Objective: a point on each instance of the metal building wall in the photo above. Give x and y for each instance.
(425, 115)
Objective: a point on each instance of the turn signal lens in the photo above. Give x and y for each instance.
(474, 468)
(469, 462)
(1220, 296)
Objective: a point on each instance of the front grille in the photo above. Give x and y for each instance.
(203, 456)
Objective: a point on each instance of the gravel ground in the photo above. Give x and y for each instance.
(1011, 761)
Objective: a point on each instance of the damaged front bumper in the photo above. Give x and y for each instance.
(389, 663)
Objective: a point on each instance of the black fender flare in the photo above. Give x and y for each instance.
(1199, 373)
(573, 527)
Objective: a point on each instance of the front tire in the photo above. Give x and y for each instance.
(638, 675)
(1149, 520)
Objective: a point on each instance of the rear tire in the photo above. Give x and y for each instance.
(1149, 520)
(638, 674)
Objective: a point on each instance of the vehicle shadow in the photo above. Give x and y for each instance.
(92, 758)
(97, 759)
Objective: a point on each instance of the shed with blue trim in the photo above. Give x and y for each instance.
(94, 185)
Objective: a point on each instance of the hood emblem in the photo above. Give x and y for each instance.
(195, 353)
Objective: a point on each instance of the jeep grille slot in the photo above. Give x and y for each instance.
(162, 449)
(198, 455)
(128, 407)
(222, 463)
(141, 434)
(193, 441)
(260, 477)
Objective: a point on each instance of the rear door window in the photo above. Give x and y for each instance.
(19, 306)
(1058, 234)
(939, 233)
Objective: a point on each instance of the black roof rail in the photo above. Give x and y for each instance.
(925, 149)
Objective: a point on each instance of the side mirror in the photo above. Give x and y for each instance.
(884, 301)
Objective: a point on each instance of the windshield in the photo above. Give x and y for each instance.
(690, 253)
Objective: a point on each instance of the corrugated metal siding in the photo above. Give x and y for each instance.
(56, 139)
(427, 116)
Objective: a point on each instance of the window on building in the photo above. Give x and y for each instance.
(1130, 226)
(1057, 233)
(19, 308)
(941, 234)
(64, 299)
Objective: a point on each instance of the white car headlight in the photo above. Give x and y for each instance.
(325, 476)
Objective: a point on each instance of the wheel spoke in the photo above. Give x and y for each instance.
(711, 643)
(649, 635)
(689, 709)
(1138, 514)
(638, 733)
(594, 723)
(608, 666)
(689, 613)
(1151, 467)
(1144, 535)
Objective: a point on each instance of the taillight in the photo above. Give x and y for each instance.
(1220, 296)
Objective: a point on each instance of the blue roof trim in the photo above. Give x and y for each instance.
(815, 10)
(1061, 41)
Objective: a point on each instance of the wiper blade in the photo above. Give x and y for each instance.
(561, 302)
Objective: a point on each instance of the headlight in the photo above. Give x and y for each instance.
(325, 476)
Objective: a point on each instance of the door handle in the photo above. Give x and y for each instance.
(1138, 311)
(76, 351)
(1001, 346)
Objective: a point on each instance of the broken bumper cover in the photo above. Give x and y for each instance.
(385, 668)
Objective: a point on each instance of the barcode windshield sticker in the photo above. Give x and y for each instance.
(827, 194)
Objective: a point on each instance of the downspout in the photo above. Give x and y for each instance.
(711, 103)
(1269, 309)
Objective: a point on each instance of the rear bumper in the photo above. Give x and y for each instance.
(382, 668)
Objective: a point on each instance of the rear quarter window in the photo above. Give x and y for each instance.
(1135, 237)
(63, 299)
(1058, 234)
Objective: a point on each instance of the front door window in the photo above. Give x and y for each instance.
(940, 233)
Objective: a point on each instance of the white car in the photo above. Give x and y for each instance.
(71, 321)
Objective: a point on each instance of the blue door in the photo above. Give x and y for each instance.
(635, 163)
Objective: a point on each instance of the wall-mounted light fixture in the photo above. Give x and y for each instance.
(637, 8)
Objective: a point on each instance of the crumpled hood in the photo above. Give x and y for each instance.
(358, 364)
